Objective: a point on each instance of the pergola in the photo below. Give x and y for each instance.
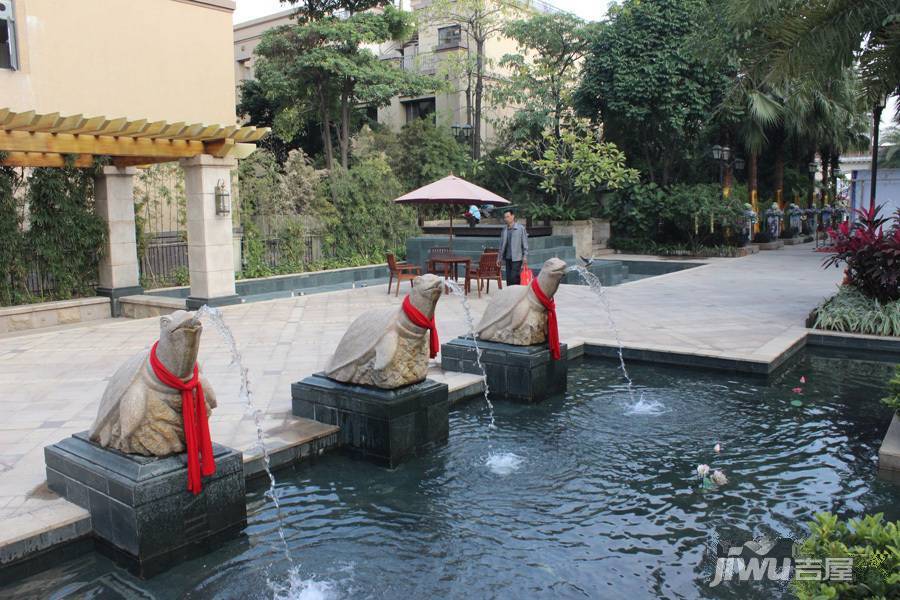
(206, 151)
(42, 140)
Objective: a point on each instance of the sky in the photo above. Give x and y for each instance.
(591, 10)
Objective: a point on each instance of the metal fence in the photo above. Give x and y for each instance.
(164, 257)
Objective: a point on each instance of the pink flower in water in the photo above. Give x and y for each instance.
(797, 390)
(702, 470)
(717, 447)
(802, 379)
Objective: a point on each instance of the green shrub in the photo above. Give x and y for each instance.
(694, 216)
(893, 398)
(853, 312)
(66, 236)
(872, 543)
(367, 223)
(12, 267)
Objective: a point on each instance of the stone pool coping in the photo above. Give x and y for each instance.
(889, 453)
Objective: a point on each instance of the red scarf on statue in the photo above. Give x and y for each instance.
(420, 320)
(200, 459)
(552, 326)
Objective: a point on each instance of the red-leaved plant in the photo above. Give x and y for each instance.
(870, 249)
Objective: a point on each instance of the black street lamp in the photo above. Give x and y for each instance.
(723, 155)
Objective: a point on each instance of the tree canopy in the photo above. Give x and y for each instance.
(652, 93)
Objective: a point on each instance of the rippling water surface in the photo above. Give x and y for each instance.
(586, 496)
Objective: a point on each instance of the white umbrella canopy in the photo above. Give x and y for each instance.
(452, 190)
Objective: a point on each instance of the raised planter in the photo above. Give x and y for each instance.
(47, 314)
(582, 233)
(143, 306)
(889, 453)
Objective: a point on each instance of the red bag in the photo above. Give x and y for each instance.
(526, 275)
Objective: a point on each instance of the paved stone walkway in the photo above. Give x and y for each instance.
(51, 382)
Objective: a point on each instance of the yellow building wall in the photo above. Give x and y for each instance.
(156, 59)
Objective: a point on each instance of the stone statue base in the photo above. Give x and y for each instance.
(383, 426)
(141, 511)
(518, 373)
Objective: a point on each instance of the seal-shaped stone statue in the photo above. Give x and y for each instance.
(139, 414)
(384, 347)
(515, 315)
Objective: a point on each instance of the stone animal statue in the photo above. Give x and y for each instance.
(515, 315)
(139, 414)
(383, 347)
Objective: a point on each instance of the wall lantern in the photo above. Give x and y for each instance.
(223, 199)
(813, 167)
(739, 164)
(717, 152)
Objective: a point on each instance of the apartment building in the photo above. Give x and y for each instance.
(436, 48)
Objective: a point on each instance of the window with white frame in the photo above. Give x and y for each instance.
(8, 59)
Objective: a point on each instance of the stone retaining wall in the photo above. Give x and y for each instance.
(143, 306)
(47, 314)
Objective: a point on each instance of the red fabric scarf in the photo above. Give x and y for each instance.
(196, 426)
(552, 326)
(420, 320)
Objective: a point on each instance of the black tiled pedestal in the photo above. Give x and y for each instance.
(519, 373)
(384, 426)
(141, 510)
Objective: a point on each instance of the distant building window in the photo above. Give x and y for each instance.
(7, 36)
(419, 109)
(449, 37)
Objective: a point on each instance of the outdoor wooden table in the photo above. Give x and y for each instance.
(454, 262)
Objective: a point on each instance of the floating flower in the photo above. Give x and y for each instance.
(718, 477)
(718, 447)
(702, 470)
(797, 390)
(802, 379)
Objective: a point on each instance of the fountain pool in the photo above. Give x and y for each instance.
(593, 497)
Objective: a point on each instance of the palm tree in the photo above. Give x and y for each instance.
(819, 39)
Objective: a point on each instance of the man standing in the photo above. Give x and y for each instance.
(513, 247)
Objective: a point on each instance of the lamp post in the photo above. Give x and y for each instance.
(723, 155)
(463, 133)
(813, 167)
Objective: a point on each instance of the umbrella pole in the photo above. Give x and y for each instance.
(451, 229)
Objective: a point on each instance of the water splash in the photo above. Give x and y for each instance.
(215, 317)
(504, 463)
(457, 290)
(297, 588)
(644, 407)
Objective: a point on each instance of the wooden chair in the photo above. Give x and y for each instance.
(486, 270)
(437, 252)
(403, 271)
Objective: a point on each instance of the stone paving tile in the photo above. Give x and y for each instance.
(51, 382)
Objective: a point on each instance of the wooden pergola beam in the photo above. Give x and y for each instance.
(64, 143)
(41, 159)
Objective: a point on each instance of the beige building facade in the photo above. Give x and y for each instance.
(438, 49)
(135, 82)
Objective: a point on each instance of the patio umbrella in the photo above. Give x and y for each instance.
(452, 190)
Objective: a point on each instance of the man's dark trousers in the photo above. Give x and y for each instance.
(513, 272)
